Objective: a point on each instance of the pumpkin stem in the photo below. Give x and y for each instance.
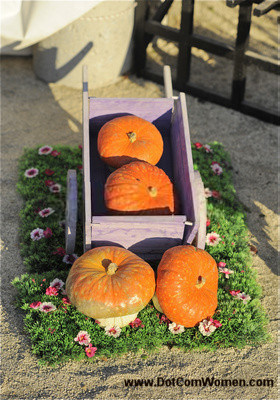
(131, 136)
(112, 268)
(200, 282)
(152, 191)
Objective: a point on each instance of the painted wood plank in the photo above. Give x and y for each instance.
(183, 167)
(168, 89)
(200, 211)
(138, 236)
(71, 211)
(141, 219)
(86, 164)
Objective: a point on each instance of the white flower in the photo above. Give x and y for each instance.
(208, 148)
(46, 212)
(212, 239)
(207, 192)
(175, 329)
(31, 172)
(45, 150)
(244, 297)
(69, 258)
(57, 283)
(37, 234)
(226, 271)
(47, 307)
(114, 331)
(56, 188)
(217, 169)
(206, 327)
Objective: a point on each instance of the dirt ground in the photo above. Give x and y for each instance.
(35, 113)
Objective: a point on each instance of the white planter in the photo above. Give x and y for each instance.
(102, 39)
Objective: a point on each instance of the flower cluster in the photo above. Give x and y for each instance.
(212, 193)
(224, 270)
(206, 147)
(240, 295)
(83, 339)
(137, 323)
(216, 168)
(208, 326)
(38, 233)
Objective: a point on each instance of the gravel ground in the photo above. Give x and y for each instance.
(34, 113)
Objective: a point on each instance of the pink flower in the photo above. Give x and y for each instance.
(45, 150)
(90, 351)
(136, 323)
(208, 149)
(60, 251)
(55, 153)
(164, 319)
(70, 258)
(115, 331)
(212, 239)
(47, 307)
(48, 233)
(37, 234)
(198, 145)
(57, 283)
(66, 301)
(36, 304)
(51, 330)
(244, 297)
(80, 146)
(217, 169)
(175, 329)
(234, 293)
(49, 172)
(56, 188)
(31, 173)
(80, 167)
(216, 194)
(226, 271)
(216, 323)
(208, 222)
(207, 193)
(206, 327)
(51, 291)
(221, 264)
(49, 183)
(46, 212)
(83, 338)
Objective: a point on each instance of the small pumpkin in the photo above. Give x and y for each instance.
(187, 284)
(139, 188)
(110, 284)
(129, 138)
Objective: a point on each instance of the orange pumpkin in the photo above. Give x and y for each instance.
(110, 284)
(139, 188)
(129, 138)
(187, 284)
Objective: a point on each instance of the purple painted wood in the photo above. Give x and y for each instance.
(183, 166)
(139, 234)
(200, 211)
(71, 211)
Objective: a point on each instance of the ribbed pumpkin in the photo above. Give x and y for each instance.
(110, 284)
(139, 188)
(187, 284)
(129, 138)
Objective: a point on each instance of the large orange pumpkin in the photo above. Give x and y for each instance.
(110, 284)
(129, 138)
(139, 188)
(187, 284)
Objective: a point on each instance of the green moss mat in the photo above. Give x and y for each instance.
(52, 334)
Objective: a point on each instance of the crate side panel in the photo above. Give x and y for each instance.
(138, 236)
(183, 165)
(156, 111)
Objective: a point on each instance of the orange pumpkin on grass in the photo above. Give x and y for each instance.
(139, 188)
(129, 138)
(186, 286)
(110, 284)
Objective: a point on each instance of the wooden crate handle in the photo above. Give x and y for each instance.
(71, 211)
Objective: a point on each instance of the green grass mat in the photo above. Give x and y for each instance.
(42, 184)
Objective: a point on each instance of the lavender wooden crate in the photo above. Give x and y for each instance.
(147, 236)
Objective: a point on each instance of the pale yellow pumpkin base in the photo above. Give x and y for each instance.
(117, 321)
(156, 303)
